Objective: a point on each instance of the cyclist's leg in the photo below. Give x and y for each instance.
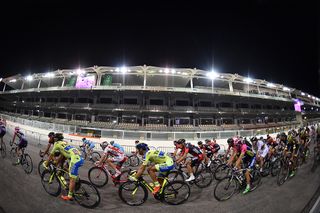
(190, 165)
(163, 168)
(75, 163)
(247, 174)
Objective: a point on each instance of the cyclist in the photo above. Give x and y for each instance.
(176, 149)
(71, 153)
(214, 146)
(162, 163)
(117, 145)
(23, 143)
(207, 150)
(2, 131)
(243, 154)
(117, 156)
(90, 145)
(188, 148)
(261, 153)
(50, 143)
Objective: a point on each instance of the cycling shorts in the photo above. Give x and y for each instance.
(249, 161)
(196, 160)
(23, 143)
(165, 167)
(76, 162)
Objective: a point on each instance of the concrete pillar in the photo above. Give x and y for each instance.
(230, 86)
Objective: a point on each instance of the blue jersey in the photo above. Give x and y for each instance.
(119, 147)
(88, 143)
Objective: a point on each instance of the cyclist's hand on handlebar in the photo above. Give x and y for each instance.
(132, 178)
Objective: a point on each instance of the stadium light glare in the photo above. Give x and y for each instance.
(212, 75)
(184, 73)
(166, 70)
(29, 78)
(248, 80)
(286, 89)
(270, 85)
(49, 75)
(313, 98)
(124, 69)
(13, 80)
(117, 69)
(0, 79)
(173, 71)
(309, 96)
(303, 94)
(80, 71)
(161, 71)
(179, 72)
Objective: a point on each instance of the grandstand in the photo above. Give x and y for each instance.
(152, 102)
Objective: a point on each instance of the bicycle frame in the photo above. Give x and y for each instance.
(150, 188)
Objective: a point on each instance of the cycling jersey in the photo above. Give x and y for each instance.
(118, 146)
(22, 140)
(71, 153)
(2, 130)
(88, 143)
(163, 162)
(192, 150)
(115, 152)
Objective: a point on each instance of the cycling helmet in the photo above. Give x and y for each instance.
(207, 140)
(253, 139)
(230, 141)
(51, 134)
(58, 136)
(200, 143)
(104, 144)
(181, 141)
(136, 142)
(142, 146)
(111, 142)
(83, 139)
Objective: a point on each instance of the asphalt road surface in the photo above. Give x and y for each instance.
(20, 192)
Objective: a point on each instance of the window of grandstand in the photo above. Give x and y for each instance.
(227, 121)
(52, 100)
(243, 105)
(221, 85)
(225, 105)
(238, 86)
(85, 100)
(51, 82)
(130, 101)
(104, 118)
(205, 103)
(105, 100)
(62, 116)
(166, 80)
(155, 120)
(182, 103)
(80, 117)
(47, 114)
(70, 81)
(182, 121)
(206, 121)
(245, 121)
(64, 100)
(156, 102)
(129, 119)
(256, 106)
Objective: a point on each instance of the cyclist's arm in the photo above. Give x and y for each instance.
(47, 150)
(239, 160)
(140, 170)
(184, 156)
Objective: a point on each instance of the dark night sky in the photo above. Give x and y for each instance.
(265, 39)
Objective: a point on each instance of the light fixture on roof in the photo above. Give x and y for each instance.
(303, 94)
(29, 78)
(173, 71)
(117, 69)
(184, 73)
(166, 70)
(124, 69)
(13, 80)
(248, 80)
(270, 85)
(80, 71)
(309, 96)
(49, 75)
(0, 79)
(212, 75)
(179, 72)
(313, 98)
(286, 89)
(161, 71)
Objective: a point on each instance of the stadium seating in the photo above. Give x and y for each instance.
(157, 107)
(156, 126)
(127, 126)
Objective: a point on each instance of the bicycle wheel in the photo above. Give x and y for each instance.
(134, 160)
(127, 162)
(26, 163)
(225, 188)
(283, 173)
(86, 194)
(98, 177)
(222, 171)
(123, 177)
(214, 164)
(50, 183)
(40, 167)
(96, 156)
(3, 150)
(266, 169)
(255, 179)
(133, 193)
(275, 168)
(204, 178)
(175, 176)
(176, 192)
(13, 155)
